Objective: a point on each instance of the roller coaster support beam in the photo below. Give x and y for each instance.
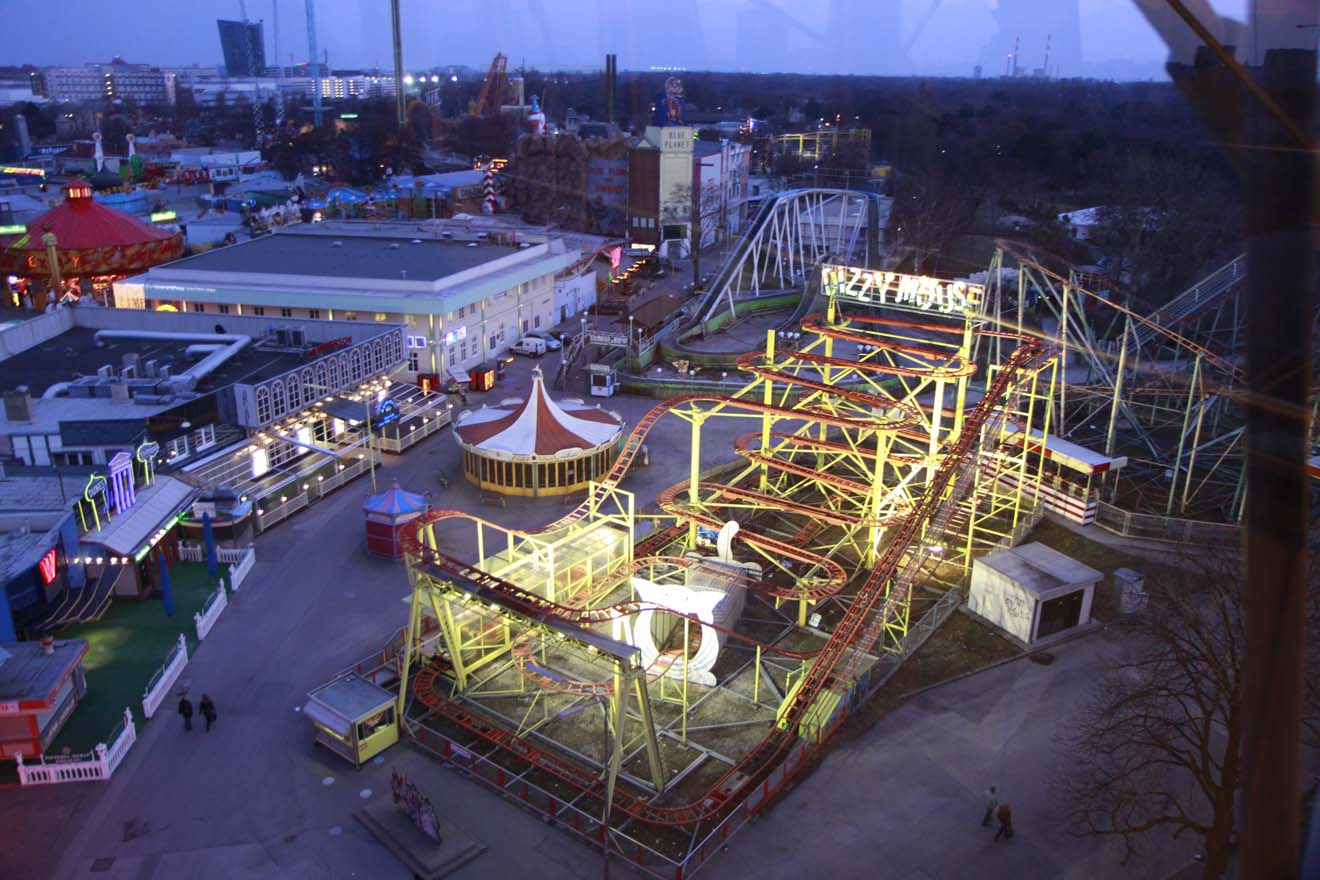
(1112, 433)
(1182, 436)
(768, 398)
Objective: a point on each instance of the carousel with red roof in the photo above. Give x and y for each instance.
(81, 246)
(537, 446)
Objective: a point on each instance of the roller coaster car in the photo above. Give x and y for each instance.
(609, 307)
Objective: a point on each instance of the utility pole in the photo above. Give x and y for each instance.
(398, 63)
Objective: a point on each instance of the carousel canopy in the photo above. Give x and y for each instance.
(395, 502)
(537, 425)
(90, 238)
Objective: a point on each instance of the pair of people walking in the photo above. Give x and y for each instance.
(1000, 811)
(206, 708)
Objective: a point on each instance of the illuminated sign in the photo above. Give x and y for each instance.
(388, 412)
(15, 169)
(14, 229)
(417, 342)
(917, 292)
(95, 487)
(455, 335)
(47, 567)
(148, 451)
(162, 216)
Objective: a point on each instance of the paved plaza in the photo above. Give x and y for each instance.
(255, 799)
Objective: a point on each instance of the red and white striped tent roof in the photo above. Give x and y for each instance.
(537, 425)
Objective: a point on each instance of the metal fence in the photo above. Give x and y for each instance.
(1153, 527)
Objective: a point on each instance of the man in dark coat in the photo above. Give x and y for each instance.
(207, 708)
(186, 710)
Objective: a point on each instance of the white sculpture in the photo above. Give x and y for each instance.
(714, 594)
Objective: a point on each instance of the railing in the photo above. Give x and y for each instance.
(415, 434)
(239, 572)
(206, 618)
(99, 764)
(1204, 292)
(226, 555)
(269, 516)
(1154, 527)
(573, 819)
(158, 686)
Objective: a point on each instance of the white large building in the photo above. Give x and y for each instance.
(465, 295)
(108, 82)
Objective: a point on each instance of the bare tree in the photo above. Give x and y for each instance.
(1157, 744)
(930, 211)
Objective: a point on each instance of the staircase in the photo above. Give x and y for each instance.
(1205, 293)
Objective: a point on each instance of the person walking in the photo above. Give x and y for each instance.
(186, 710)
(207, 708)
(1005, 816)
(991, 801)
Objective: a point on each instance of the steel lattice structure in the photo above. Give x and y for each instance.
(1162, 389)
(878, 461)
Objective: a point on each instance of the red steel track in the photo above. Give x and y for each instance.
(854, 634)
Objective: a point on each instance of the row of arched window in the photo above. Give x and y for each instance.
(301, 389)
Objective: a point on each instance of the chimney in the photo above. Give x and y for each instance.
(18, 405)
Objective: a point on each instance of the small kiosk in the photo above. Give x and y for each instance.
(387, 515)
(602, 380)
(481, 378)
(353, 718)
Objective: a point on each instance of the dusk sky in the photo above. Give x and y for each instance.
(1106, 38)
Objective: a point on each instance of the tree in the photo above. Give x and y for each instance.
(1157, 744)
(930, 211)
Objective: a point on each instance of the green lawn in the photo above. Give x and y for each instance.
(125, 647)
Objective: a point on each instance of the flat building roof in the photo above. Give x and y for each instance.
(347, 256)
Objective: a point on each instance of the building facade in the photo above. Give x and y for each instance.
(676, 183)
(118, 81)
(243, 46)
(464, 296)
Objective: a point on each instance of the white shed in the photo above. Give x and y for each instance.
(1032, 591)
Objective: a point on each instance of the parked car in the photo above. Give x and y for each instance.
(551, 344)
(529, 346)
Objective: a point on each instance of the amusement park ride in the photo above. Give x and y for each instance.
(873, 469)
(649, 681)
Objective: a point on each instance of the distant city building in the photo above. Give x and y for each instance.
(116, 81)
(209, 86)
(243, 46)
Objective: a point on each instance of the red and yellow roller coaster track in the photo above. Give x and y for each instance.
(833, 666)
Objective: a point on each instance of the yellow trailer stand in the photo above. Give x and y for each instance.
(353, 718)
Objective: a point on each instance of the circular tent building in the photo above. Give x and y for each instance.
(537, 446)
(84, 245)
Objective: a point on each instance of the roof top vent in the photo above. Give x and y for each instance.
(473, 244)
(394, 246)
(336, 244)
(416, 241)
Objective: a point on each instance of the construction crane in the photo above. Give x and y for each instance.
(493, 88)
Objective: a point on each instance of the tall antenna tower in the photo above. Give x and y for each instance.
(1016, 42)
(398, 63)
(1045, 68)
(317, 111)
(279, 66)
(256, 74)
